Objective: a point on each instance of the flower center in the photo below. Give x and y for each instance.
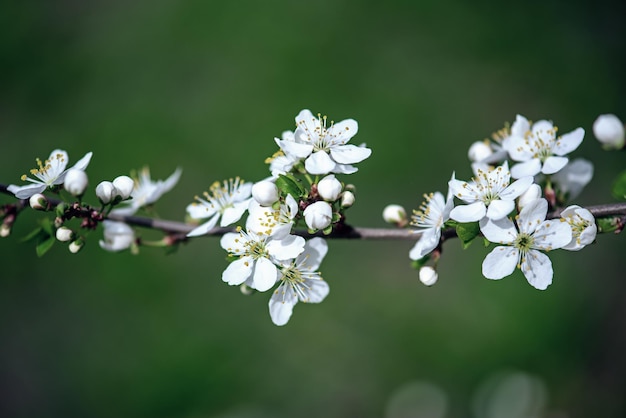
(524, 242)
(44, 169)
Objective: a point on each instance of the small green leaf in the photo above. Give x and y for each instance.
(467, 232)
(35, 233)
(619, 186)
(44, 246)
(290, 185)
(417, 264)
(46, 225)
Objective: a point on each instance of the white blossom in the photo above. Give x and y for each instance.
(521, 247)
(265, 220)
(257, 256)
(325, 149)
(75, 181)
(64, 234)
(147, 191)
(281, 163)
(227, 201)
(539, 150)
(583, 226)
(124, 186)
(318, 215)
(118, 236)
(299, 281)
(609, 130)
(106, 192)
(394, 214)
(329, 188)
(433, 213)
(49, 173)
(428, 275)
(488, 194)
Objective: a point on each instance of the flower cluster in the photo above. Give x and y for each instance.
(264, 251)
(509, 207)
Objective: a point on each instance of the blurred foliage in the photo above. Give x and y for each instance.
(206, 86)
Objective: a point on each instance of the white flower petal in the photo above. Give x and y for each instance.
(518, 149)
(345, 169)
(469, 213)
(233, 243)
(520, 126)
(427, 242)
(498, 209)
(281, 304)
(25, 192)
(463, 190)
(83, 162)
(552, 234)
(205, 227)
(517, 188)
(314, 252)
(319, 163)
(500, 262)
(344, 130)
(537, 268)
(317, 292)
(238, 271)
(295, 149)
(284, 249)
(532, 215)
(554, 164)
(265, 274)
(200, 210)
(234, 213)
(568, 142)
(528, 168)
(501, 231)
(349, 154)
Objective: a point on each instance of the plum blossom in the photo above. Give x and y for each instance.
(429, 220)
(300, 281)
(488, 194)
(521, 247)
(318, 215)
(583, 226)
(48, 173)
(265, 220)
(227, 201)
(257, 256)
(572, 179)
(539, 150)
(325, 149)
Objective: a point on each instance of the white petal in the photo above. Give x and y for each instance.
(83, 162)
(314, 252)
(552, 234)
(469, 213)
(25, 192)
(234, 213)
(286, 248)
(205, 227)
(199, 210)
(518, 149)
(574, 177)
(345, 129)
(520, 126)
(501, 231)
(537, 268)
(319, 163)
(169, 183)
(233, 243)
(532, 215)
(306, 120)
(281, 304)
(295, 149)
(317, 292)
(554, 164)
(517, 188)
(345, 169)
(569, 142)
(427, 242)
(528, 168)
(498, 209)
(265, 274)
(462, 190)
(238, 271)
(500, 262)
(349, 154)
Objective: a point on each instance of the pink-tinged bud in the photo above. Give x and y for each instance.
(318, 215)
(38, 202)
(106, 192)
(75, 181)
(265, 193)
(329, 188)
(124, 186)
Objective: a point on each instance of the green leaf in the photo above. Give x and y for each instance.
(467, 232)
(34, 234)
(44, 246)
(619, 186)
(290, 185)
(46, 225)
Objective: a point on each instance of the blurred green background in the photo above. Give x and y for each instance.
(206, 85)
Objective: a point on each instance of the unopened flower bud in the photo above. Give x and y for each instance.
(329, 188)
(118, 236)
(124, 186)
(318, 215)
(428, 275)
(38, 202)
(105, 192)
(265, 193)
(395, 214)
(478, 151)
(532, 193)
(75, 181)
(609, 130)
(64, 234)
(76, 246)
(347, 199)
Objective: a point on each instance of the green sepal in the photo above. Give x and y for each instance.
(417, 264)
(619, 186)
(608, 224)
(467, 232)
(336, 217)
(290, 185)
(328, 229)
(44, 246)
